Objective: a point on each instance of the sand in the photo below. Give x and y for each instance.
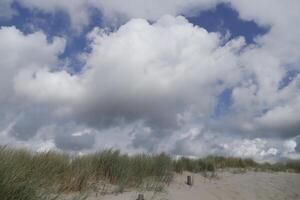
(227, 186)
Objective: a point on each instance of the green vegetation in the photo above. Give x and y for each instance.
(30, 176)
(36, 176)
(212, 163)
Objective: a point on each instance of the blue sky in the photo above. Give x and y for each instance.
(223, 18)
(141, 72)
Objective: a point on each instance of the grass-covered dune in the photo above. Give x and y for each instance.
(25, 175)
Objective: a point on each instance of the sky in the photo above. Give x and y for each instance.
(185, 77)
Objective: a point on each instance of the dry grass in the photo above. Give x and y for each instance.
(24, 175)
(33, 176)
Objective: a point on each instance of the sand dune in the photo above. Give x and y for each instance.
(227, 186)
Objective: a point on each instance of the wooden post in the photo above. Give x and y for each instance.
(189, 180)
(140, 197)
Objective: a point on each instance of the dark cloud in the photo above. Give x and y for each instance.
(29, 122)
(74, 138)
(298, 144)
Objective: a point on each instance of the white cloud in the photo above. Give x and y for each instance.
(145, 82)
(262, 149)
(282, 40)
(289, 146)
(44, 86)
(20, 52)
(282, 118)
(256, 148)
(154, 86)
(283, 16)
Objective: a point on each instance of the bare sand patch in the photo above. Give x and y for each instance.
(226, 186)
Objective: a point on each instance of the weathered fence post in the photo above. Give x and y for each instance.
(189, 180)
(140, 197)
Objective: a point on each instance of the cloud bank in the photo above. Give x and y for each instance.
(156, 85)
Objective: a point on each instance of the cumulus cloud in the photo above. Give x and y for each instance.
(21, 53)
(282, 119)
(145, 83)
(151, 87)
(44, 86)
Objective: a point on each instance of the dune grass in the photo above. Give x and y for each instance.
(26, 175)
(211, 163)
(30, 176)
(16, 182)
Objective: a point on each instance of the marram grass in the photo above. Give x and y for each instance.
(37, 176)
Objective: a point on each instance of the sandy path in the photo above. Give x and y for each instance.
(246, 186)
